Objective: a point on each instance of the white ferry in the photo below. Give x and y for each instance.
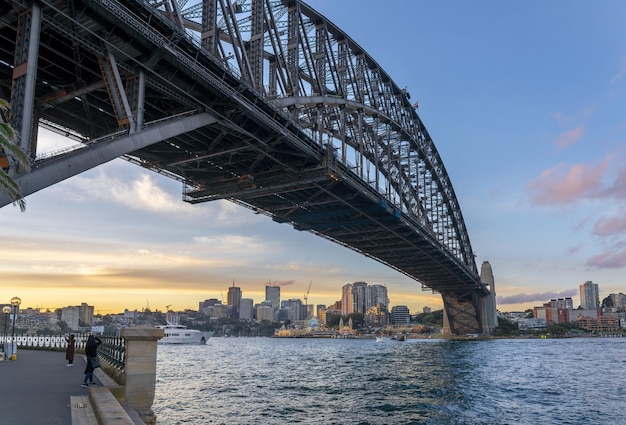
(179, 334)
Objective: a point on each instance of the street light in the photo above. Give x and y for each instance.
(6, 310)
(15, 302)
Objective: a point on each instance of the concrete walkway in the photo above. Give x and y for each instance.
(36, 388)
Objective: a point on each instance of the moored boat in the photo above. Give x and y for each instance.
(179, 334)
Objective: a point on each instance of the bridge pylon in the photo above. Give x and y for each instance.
(464, 314)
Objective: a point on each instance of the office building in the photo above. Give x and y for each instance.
(246, 309)
(234, 298)
(272, 293)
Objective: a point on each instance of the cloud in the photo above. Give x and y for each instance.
(563, 184)
(570, 137)
(543, 297)
(618, 188)
(610, 226)
(614, 258)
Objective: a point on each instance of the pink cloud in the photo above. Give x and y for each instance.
(618, 188)
(610, 226)
(562, 184)
(570, 137)
(613, 259)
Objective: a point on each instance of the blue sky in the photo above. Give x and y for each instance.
(525, 102)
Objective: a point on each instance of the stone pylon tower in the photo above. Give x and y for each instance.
(486, 276)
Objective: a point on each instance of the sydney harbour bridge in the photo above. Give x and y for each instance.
(265, 103)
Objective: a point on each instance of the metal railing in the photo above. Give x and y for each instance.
(112, 350)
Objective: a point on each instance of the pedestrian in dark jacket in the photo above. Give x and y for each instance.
(69, 351)
(91, 350)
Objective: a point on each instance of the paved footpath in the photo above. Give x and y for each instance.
(36, 388)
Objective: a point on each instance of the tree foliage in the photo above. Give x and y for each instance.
(8, 145)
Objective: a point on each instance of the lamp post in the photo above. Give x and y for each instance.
(6, 310)
(15, 302)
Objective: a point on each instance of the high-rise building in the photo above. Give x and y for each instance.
(295, 309)
(234, 298)
(246, 310)
(272, 293)
(589, 296)
(359, 297)
(347, 305)
(86, 313)
(378, 295)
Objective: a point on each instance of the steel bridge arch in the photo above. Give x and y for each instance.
(282, 66)
(326, 73)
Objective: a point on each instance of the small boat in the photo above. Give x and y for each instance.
(179, 334)
(381, 339)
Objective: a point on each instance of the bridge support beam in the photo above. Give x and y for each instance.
(65, 166)
(463, 314)
(24, 78)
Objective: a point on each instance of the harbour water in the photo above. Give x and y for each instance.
(360, 381)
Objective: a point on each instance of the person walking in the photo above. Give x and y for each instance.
(91, 350)
(69, 351)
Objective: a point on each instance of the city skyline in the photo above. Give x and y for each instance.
(529, 125)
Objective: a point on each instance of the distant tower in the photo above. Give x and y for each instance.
(486, 276)
(347, 305)
(589, 296)
(359, 297)
(272, 293)
(234, 298)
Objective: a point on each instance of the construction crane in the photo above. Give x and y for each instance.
(306, 298)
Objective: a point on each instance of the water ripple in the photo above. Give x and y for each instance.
(354, 382)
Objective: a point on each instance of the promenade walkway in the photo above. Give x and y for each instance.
(36, 388)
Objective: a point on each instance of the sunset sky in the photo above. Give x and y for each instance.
(526, 103)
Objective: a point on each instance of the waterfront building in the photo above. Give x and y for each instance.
(599, 324)
(319, 307)
(400, 315)
(272, 293)
(234, 298)
(246, 309)
(551, 313)
(589, 296)
(426, 309)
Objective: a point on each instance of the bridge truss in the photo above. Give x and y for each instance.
(265, 103)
